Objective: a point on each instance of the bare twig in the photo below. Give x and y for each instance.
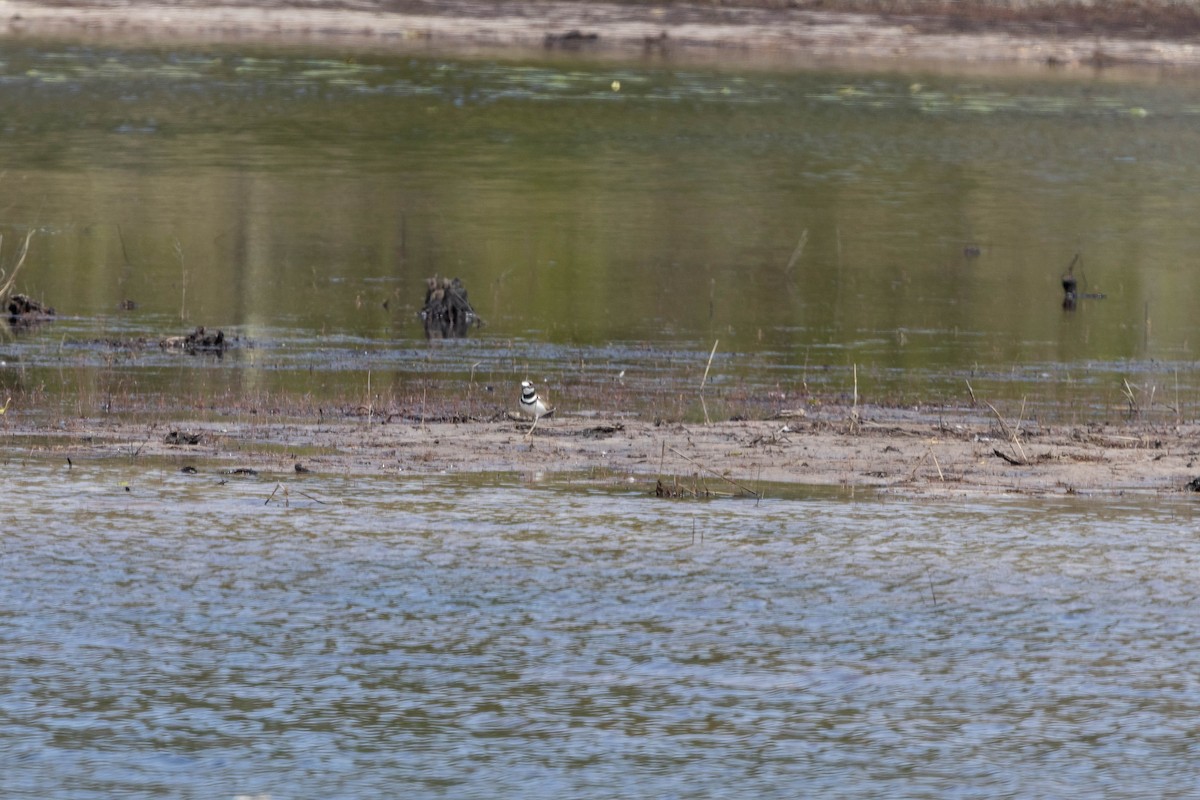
(1000, 454)
(1012, 437)
(941, 477)
(728, 480)
(704, 380)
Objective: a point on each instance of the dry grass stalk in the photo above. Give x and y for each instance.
(10, 279)
(854, 420)
(704, 380)
(1012, 436)
(799, 251)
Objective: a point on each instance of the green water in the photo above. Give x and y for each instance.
(606, 219)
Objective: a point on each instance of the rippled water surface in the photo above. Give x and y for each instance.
(173, 635)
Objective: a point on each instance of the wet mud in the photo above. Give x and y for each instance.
(879, 449)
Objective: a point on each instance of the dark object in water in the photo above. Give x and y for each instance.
(24, 311)
(1069, 284)
(1071, 295)
(447, 313)
(1194, 485)
(198, 341)
(182, 437)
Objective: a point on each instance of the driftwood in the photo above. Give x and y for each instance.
(24, 311)
(447, 313)
(198, 341)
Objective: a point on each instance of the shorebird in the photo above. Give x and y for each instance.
(532, 405)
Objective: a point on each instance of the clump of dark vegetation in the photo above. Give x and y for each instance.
(198, 341)
(24, 311)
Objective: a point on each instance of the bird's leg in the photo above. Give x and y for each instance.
(529, 435)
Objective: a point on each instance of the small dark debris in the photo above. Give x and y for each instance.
(601, 431)
(138, 343)
(1016, 462)
(571, 39)
(198, 341)
(1194, 485)
(188, 470)
(182, 437)
(24, 311)
(972, 251)
(300, 468)
(661, 490)
(447, 314)
(240, 471)
(128, 305)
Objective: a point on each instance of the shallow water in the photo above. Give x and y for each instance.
(611, 221)
(514, 636)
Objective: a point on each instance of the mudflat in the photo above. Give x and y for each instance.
(945, 453)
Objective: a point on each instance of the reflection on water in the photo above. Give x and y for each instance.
(493, 636)
(598, 213)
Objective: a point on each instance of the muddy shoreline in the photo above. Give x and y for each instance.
(926, 453)
(894, 451)
(775, 34)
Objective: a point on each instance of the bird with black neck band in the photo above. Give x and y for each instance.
(533, 405)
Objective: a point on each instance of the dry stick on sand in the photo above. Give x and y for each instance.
(927, 454)
(728, 480)
(1012, 437)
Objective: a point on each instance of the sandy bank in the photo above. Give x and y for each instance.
(783, 36)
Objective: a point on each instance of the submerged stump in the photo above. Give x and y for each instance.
(447, 314)
(24, 311)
